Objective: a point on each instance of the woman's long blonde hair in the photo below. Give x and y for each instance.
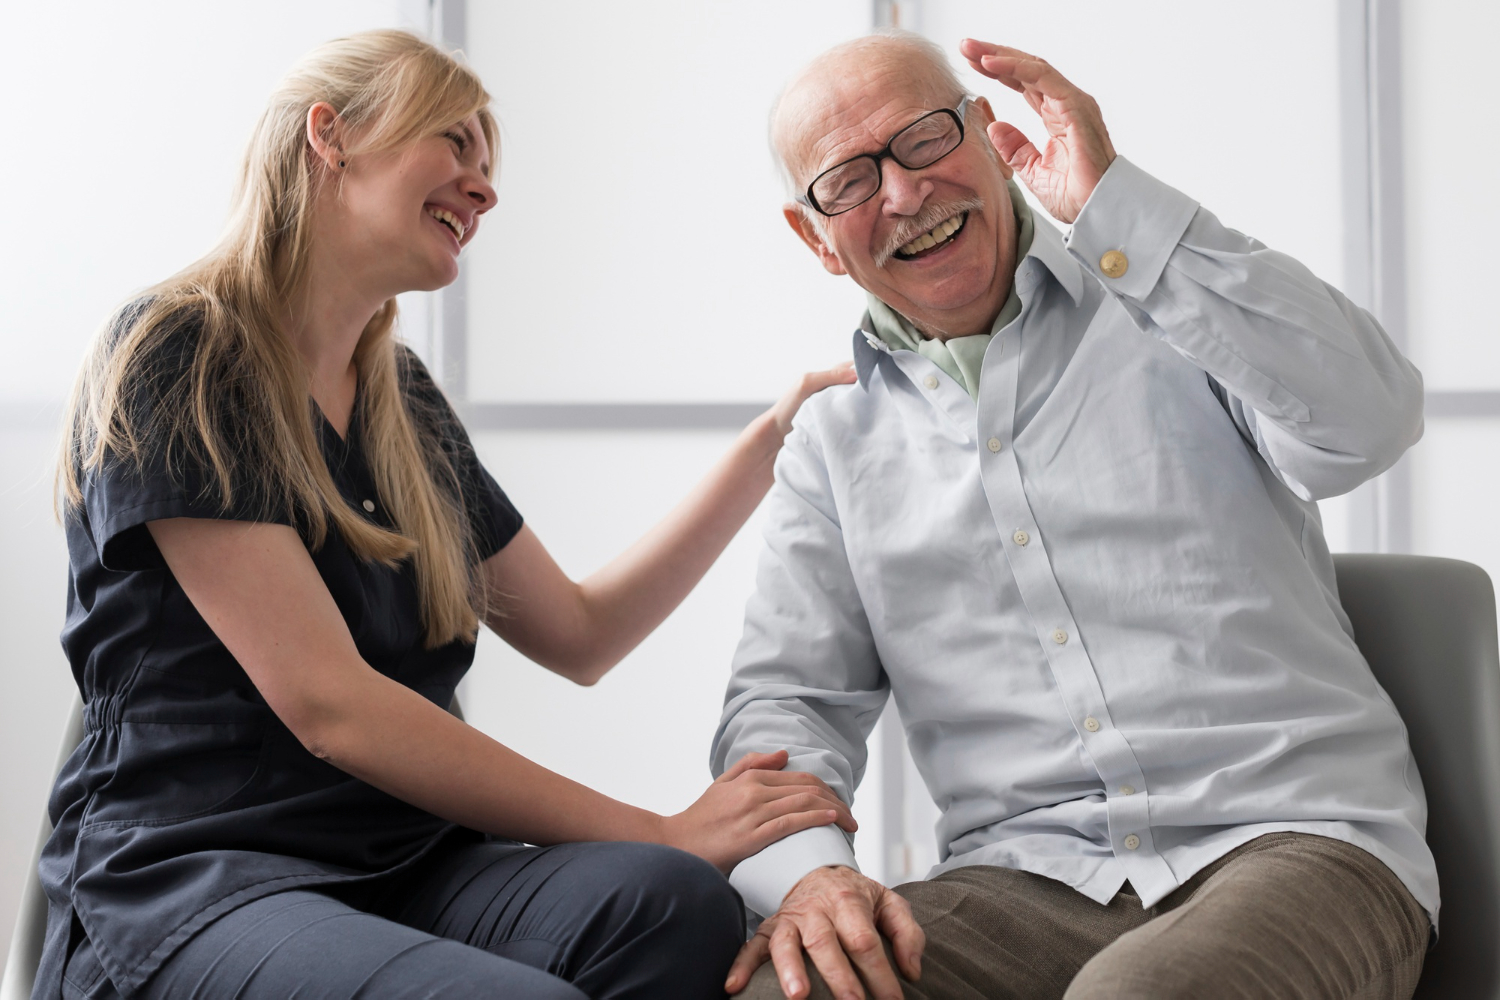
(237, 403)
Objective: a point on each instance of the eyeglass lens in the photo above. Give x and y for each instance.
(920, 144)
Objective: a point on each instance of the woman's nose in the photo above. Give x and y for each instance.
(479, 191)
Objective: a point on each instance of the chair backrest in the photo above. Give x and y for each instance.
(31, 922)
(1427, 627)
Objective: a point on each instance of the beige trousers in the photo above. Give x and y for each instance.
(1287, 916)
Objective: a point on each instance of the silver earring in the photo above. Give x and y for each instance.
(341, 163)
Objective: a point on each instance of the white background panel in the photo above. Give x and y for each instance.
(126, 124)
(1456, 472)
(638, 251)
(1452, 141)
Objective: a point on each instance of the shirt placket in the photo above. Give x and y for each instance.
(1061, 638)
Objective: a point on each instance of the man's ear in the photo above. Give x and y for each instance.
(985, 116)
(802, 225)
(325, 135)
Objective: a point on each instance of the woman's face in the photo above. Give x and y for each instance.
(405, 214)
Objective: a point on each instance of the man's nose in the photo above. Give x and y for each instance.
(904, 190)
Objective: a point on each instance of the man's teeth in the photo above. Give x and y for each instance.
(448, 219)
(934, 236)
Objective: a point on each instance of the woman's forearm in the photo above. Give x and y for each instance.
(382, 732)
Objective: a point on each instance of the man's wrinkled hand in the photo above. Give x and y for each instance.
(840, 918)
(1065, 171)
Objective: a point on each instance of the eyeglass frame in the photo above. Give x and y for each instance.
(958, 113)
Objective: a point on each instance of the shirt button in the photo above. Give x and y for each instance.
(930, 381)
(369, 505)
(1059, 637)
(1127, 789)
(993, 444)
(1020, 538)
(1132, 842)
(1091, 724)
(1114, 264)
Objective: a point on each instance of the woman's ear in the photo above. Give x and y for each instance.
(325, 135)
(802, 224)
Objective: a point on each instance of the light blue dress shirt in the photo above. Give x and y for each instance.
(1100, 594)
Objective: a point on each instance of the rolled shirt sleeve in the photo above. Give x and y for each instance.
(806, 677)
(1312, 380)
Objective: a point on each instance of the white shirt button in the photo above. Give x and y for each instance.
(1091, 724)
(993, 444)
(1127, 789)
(1020, 538)
(930, 381)
(1132, 842)
(1059, 637)
(369, 505)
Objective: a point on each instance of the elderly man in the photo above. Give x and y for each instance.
(1066, 518)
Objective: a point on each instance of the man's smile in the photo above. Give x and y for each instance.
(934, 240)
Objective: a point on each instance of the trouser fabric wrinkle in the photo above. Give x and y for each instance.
(1287, 916)
(573, 922)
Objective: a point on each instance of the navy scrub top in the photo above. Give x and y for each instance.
(188, 796)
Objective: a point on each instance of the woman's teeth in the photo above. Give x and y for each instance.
(937, 234)
(448, 219)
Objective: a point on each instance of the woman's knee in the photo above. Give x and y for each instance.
(685, 895)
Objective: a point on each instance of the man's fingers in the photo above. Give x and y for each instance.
(823, 945)
(1014, 148)
(752, 955)
(786, 955)
(862, 943)
(893, 918)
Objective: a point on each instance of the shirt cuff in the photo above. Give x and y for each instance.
(1134, 214)
(764, 879)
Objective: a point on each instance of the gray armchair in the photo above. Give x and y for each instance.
(1427, 626)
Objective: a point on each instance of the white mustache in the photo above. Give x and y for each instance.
(918, 224)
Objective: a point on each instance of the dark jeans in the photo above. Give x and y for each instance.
(485, 920)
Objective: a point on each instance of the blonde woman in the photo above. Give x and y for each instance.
(282, 546)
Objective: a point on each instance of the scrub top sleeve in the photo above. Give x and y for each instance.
(493, 519)
(126, 492)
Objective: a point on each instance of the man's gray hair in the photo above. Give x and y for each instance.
(884, 38)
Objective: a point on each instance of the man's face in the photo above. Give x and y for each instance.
(953, 288)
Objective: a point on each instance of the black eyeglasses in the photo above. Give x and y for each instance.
(850, 184)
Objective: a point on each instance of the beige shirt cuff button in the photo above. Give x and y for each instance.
(994, 444)
(1132, 842)
(1091, 724)
(930, 381)
(1114, 264)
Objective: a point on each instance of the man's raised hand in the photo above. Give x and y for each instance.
(1064, 173)
(840, 917)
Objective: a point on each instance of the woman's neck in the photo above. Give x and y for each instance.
(325, 324)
